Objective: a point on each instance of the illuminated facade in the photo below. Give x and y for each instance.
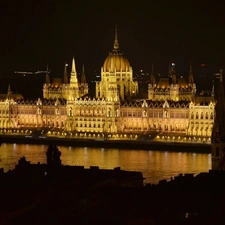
(172, 106)
(68, 89)
(171, 87)
(116, 73)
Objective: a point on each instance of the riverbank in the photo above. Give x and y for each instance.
(100, 143)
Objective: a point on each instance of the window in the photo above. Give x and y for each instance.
(197, 115)
(202, 115)
(211, 116)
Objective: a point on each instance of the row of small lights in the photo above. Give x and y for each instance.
(184, 138)
(93, 135)
(113, 136)
(16, 131)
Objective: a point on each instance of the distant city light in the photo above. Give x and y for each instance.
(173, 64)
(203, 64)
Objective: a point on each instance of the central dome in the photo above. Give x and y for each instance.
(115, 59)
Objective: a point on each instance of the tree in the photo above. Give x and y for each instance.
(53, 156)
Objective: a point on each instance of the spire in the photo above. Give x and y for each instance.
(169, 71)
(190, 77)
(83, 77)
(73, 70)
(65, 77)
(152, 78)
(47, 78)
(173, 73)
(221, 74)
(9, 92)
(213, 90)
(73, 75)
(116, 42)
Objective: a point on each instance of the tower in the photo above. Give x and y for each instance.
(218, 133)
(151, 86)
(73, 75)
(74, 86)
(174, 89)
(83, 84)
(173, 74)
(190, 77)
(116, 70)
(83, 77)
(47, 84)
(65, 75)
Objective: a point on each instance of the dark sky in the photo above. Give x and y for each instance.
(33, 33)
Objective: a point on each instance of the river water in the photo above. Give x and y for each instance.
(155, 165)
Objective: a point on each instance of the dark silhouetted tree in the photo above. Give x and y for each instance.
(53, 156)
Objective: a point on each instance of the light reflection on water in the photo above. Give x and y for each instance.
(155, 165)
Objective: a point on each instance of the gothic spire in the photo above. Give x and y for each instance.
(213, 90)
(73, 75)
(83, 77)
(152, 77)
(73, 70)
(47, 78)
(116, 42)
(65, 77)
(190, 77)
(9, 92)
(169, 71)
(221, 74)
(173, 73)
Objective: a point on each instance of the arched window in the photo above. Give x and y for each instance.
(207, 116)
(192, 115)
(211, 116)
(197, 116)
(202, 117)
(70, 112)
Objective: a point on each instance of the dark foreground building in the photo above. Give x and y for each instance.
(39, 194)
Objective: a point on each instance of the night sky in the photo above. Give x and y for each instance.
(33, 33)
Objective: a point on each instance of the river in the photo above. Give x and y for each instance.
(155, 165)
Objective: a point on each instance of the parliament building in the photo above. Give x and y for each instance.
(172, 106)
